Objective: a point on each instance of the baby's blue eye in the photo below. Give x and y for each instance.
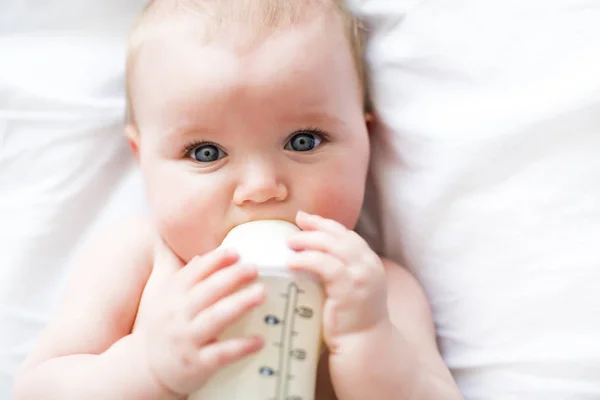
(207, 153)
(304, 141)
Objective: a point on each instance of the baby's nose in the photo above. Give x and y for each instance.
(260, 184)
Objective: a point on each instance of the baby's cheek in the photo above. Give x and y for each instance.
(338, 201)
(338, 194)
(183, 225)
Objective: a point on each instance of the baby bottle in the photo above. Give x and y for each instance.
(289, 320)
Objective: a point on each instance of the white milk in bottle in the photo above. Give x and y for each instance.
(289, 321)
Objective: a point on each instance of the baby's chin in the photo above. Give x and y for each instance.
(187, 246)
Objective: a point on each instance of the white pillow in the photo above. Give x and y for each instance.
(64, 166)
(486, 183)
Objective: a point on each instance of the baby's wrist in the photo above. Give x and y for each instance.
(370, 339)
(392, 370)
(154, 384)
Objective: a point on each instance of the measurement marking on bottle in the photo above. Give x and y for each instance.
(298, 354)
(305, 312)
(286, 342)
(266, 371)
(272, 320)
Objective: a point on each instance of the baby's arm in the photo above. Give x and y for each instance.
(402, 362)
(87, 351)
(411, 317)
(384, 373)
(376, 320)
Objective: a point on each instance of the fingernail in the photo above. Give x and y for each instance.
(304, 214)
(291, 238)
(225, 251)
(258, 340)
(257, 288)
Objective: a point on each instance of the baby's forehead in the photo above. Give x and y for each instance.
(246, 22)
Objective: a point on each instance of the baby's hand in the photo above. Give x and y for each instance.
(353, 275)
(198, 303)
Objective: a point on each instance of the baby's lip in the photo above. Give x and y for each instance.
(230, 228)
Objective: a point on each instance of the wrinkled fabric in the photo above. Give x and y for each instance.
(486, 183)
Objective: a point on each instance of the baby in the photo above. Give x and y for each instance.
(238, 110)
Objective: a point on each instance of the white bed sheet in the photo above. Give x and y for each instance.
(487, 184)
(64, 165)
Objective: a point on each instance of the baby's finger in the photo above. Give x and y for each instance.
(345, 247)
(310, 222)
(203, 266)
(327, 267)
(220, 284)
(313, 240)
(210, 323)
(220, 354)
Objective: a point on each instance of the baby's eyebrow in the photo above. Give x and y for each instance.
(324, 119)
(185, 130)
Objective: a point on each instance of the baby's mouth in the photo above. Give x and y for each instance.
(249, 221)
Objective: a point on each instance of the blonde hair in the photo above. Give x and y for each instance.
(260, 17)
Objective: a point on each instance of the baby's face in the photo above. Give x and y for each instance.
(232, 135)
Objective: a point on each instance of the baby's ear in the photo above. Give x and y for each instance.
(133, 139)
